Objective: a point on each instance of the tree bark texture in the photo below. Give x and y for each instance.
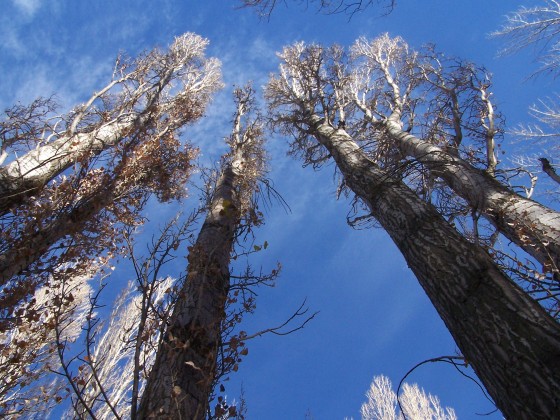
(511, 342)
(533, 227)
(27, 174)
(181, 378)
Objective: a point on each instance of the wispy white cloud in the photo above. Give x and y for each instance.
(28, 7)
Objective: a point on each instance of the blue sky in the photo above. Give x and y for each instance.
(374, 318)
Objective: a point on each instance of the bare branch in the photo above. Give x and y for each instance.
(537, 26)
(265, 7)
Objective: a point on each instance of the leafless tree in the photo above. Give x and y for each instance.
(382, 404)
(392, 86)
(168, 88)
(411, 110)
(181, 379)
(84, 173)
(493, 321)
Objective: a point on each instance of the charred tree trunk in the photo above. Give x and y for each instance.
(511, 342)
(533, 227)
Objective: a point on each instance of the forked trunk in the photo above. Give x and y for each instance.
(533, 227)
(511, 342)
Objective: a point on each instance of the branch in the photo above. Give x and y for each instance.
(276, 330)
(549, 170)
(456, 361)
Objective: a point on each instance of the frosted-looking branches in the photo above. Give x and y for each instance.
(382, 403)
(538, 26)
(27, 350)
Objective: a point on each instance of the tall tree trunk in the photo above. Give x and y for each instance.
(530, 225)
(180, 380)
(511, 342)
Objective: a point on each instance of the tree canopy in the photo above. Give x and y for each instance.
(133, 237)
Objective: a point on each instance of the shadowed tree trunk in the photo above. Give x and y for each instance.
(180, 381)
(182, 375)
(511, 342)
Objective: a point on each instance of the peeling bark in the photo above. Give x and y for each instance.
(511, 342)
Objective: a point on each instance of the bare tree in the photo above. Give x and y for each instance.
(500, 330)
(390, 84)
(181, 379)
(115, 152)
(168, 88)
(382, 404)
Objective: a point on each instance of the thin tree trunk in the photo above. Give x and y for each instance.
(511, 342)
(181, 378)
(530, 225)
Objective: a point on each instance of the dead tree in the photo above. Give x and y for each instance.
(180, 381)
(511, 342)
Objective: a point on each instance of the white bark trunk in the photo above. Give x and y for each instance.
(511, 342)
(27, 174)
(530, 225)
